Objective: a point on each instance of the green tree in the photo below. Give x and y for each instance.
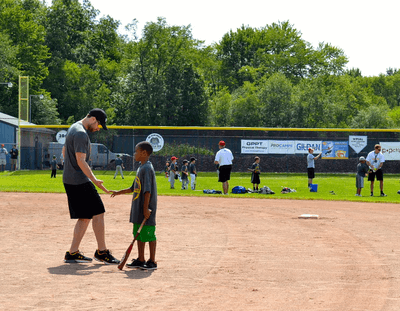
(274, 48)
(275, 96)
(22, 42)
(245, 106)
(44, 111)
(375, 116)
(161, 81)
(220, 105)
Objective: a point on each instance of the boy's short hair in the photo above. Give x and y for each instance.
(256, 158)
(146, 146)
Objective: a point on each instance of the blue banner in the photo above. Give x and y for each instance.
(335, 150)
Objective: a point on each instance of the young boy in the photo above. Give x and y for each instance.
(144, 190)
(193, 173)
(255, 175)
(362, 171)
(53, 164)
(185, 173)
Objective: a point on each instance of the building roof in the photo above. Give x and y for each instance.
(13, 121)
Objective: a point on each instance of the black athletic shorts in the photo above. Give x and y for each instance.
(224, 173)
(378, 174)
(311, 173)
(83, 201)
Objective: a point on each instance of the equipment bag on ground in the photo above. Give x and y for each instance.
(239, 189)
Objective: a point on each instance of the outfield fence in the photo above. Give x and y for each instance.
(280, 149)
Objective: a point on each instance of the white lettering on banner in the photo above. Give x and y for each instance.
(391, 150)
(254, 146)
(358, 143)
(303, 145)
(281, 147)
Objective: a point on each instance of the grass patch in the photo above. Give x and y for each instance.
(343, 185)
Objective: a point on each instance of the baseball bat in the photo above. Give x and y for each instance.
(128, 251)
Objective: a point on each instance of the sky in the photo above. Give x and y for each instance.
(367, 31)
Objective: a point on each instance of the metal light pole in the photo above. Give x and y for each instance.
(9, 84)
(30, 105)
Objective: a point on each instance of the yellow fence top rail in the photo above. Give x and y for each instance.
(290, 129)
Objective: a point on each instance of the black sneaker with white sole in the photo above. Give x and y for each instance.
(105, 257)
(76, 257)
(383, 195)
(149, 265)
(136, 263)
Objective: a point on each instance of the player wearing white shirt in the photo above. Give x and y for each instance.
(375, 160)
(223, 159)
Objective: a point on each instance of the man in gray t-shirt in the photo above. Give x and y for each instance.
(84, 202)
(77, 140)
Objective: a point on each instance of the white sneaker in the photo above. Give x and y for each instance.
(358, 195)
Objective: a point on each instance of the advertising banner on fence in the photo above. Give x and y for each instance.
(281, 146)
(358, 143)
(255, 146)
(390, 150)
(301, 146)
(335, 150)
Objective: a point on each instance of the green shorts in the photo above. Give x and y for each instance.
(147, 234)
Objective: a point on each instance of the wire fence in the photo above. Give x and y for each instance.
(280, 150)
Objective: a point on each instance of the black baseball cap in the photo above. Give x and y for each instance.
(100, 116)
(193, 159)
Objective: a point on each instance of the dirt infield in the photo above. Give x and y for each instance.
(213, 253)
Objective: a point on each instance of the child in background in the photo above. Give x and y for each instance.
(144, 190)
(362, 171)
(173, 171)
(185, 173)
(193, 173)
(53, 165)
(166, 169)
(255, 175)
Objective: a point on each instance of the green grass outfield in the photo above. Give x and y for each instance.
(342, 184)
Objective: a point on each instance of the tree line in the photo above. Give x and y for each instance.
(264, 77)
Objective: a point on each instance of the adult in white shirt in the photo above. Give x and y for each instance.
(223, 159)
(375, 160)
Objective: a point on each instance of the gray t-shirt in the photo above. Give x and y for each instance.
(310, 161)
(76, 140)
(145, 181)
(362, 169)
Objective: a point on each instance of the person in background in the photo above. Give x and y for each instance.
(119, 165)
(172, 172)
(14, 157)
(311, 165)
(223, 159)
(193, 173)
(53, 165)
(166, 169)
(255, 173)
(185, 173)
(362, 171)
(375, 160)
(3, 157)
